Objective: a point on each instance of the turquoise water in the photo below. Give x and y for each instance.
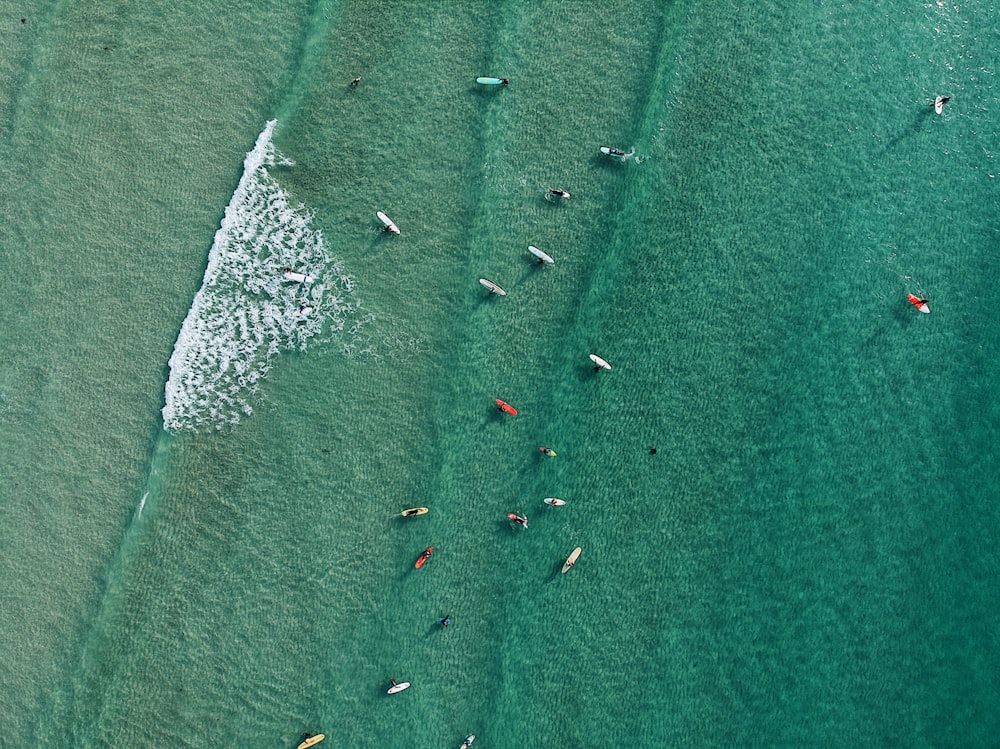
(809, 557)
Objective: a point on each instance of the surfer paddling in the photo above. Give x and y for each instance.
(517, 519)
(548, 452)
(919, 302)
(939, 103)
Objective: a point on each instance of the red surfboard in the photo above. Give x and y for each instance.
(506, 408)
(423, 557)
(920, 304)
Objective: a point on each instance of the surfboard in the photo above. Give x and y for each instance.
(556, 194)
(494, 289)
(571, 560)
(547, 452)
(311, 741)
(424, 557)
(489, 80)
(506, 407)
(388, 222)
(468, 742)
(398, 687)
(542, 256)
(938, 104)
(919, 303)
(601, 364)
(615, 153)
(552, 501)
(291, 275)
(523, 522)
(414, 511)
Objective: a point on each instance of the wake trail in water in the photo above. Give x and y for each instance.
(269, 286)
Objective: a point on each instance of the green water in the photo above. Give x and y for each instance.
(809, 557)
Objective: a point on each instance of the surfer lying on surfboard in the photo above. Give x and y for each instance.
(918, 302)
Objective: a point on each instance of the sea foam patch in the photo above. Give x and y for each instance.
(269, 286)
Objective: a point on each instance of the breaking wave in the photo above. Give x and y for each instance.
(248, 308)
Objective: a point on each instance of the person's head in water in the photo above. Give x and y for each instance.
(504, 81)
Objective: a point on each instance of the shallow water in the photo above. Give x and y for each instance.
(808, 557)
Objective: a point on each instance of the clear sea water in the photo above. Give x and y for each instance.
(809, 559)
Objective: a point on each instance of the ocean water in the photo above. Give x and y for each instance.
(202, 464)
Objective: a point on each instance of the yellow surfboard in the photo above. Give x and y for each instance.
(571, 560)
(414, 511)
(311, 741)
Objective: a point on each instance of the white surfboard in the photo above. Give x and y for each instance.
(599, 362)
(494, 289)
(542, 256)
(468, 742)
(939, 104)
(551, 194)
(388, 222)
(291, 275)
(398, 687)
(615, 153)
(553, 502)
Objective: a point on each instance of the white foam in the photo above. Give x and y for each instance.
(245, 312)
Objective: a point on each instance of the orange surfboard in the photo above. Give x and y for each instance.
(506, 408)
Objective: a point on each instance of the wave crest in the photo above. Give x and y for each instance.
(246, 310)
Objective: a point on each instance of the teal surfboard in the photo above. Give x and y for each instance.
(486, 81)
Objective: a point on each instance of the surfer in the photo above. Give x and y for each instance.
(919, 302)
(445, 621)
(523, 522)
(504, 81)
(548, 452)
(356, 81)
(552, 193)
(943, 100)
(392, 682)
